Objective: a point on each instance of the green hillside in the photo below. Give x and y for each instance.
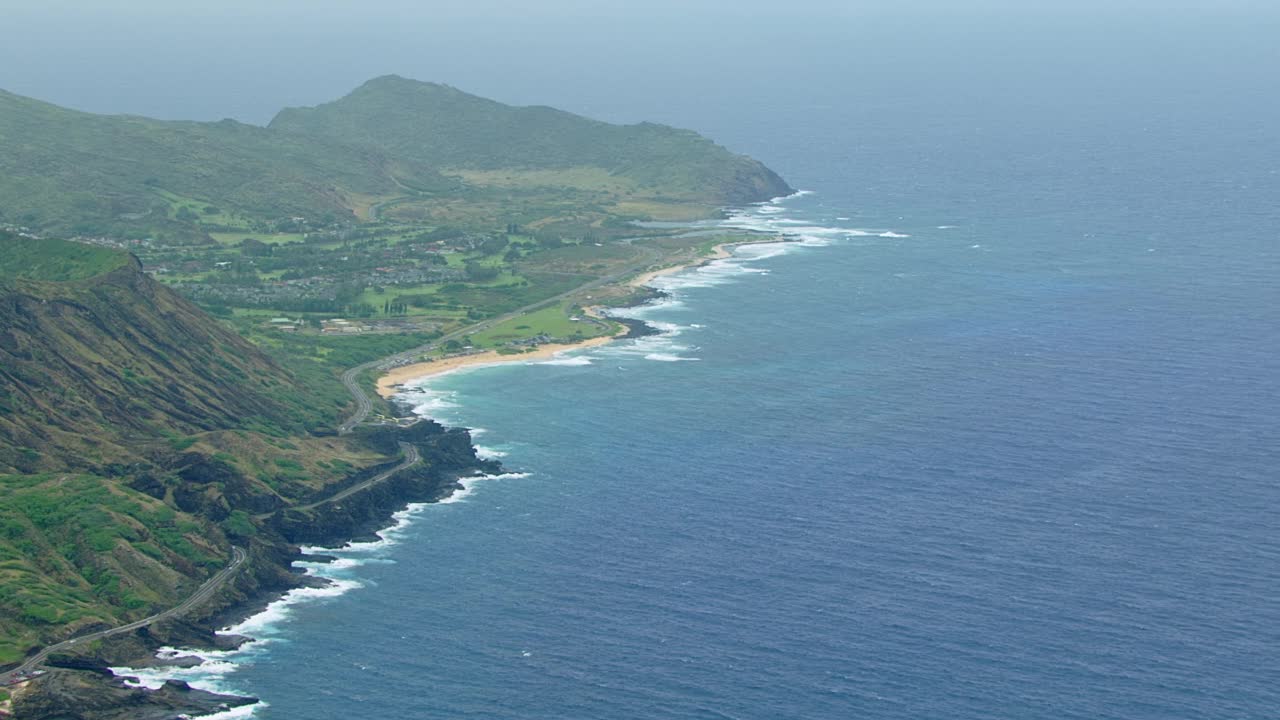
(65, 172)
(447, 128)
(78, 550)
(92, 365)
(69, 171)
(28, 259)
(140, 437)
(136, 434)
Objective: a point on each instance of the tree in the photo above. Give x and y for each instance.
(482, 273)
(252, 247)
(494, 245)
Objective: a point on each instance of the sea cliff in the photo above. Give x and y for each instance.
(81, 686)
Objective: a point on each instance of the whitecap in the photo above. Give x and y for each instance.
(388, 536)
(342, 563)
(469, 485)
(758, 251)
(239, 713)
(892, 234)
(792, 196)
(209, 675)
(683, 281)
(573, 361)
(263, 626)
(666, 357)
(427, 402)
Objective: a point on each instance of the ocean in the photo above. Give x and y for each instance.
(994, 436)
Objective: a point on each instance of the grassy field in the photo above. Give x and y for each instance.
(665, 211)
(594, 179)
(234, 238)
(203, 212)
(554, 322)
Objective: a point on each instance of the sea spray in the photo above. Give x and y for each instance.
(341, 574)
(337, 575)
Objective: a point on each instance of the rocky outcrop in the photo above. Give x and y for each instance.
(70, 695)
(83, 689)
(447, 454)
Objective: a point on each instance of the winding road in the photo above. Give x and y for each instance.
(210, 586)
(364, 405)
(203, 593)
(411, 458)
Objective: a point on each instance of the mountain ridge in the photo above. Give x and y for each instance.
(88, 364)
(436, 123)
(69, 172)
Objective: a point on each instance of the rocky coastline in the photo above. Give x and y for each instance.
(82, 687)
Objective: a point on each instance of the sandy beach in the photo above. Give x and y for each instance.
(396, 378)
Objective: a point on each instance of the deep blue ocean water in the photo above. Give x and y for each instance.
(998, 439)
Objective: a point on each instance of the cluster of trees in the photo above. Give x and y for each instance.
(481, 273)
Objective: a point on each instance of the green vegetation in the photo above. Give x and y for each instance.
(149, 413)
(80, 549)
(553, 323)
(533, 146)
(51, 260)
(78, 173)
(418, 150)
(88, 367)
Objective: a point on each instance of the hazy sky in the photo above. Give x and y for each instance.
(612, 59)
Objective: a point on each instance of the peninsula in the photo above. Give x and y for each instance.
(194, 318)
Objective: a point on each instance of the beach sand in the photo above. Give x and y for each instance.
(396, 378)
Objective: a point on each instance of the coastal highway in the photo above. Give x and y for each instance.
(203, 593)
(210, 586)
(363, 407)
(350, 378)
(411, 458)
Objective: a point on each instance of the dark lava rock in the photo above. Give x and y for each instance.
(71, 695)
(637, 328)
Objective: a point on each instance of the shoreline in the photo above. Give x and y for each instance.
(257, 602)
(396, 380)
(392, 383)
(718, 252)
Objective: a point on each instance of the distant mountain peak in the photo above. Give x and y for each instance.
(448, 128)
